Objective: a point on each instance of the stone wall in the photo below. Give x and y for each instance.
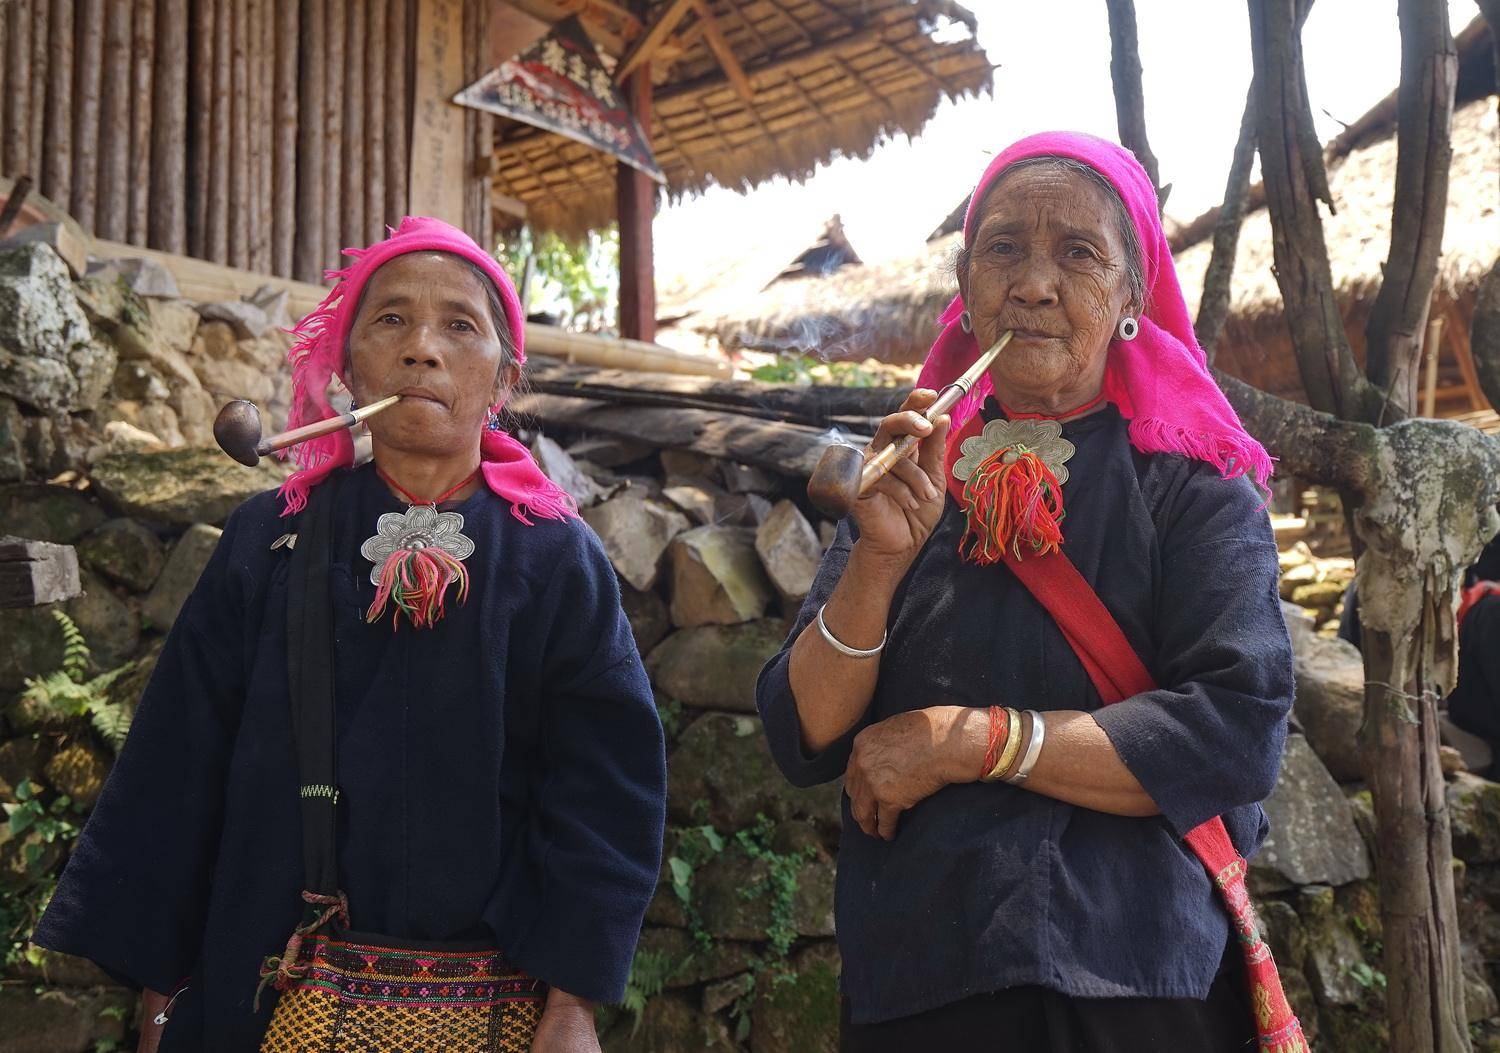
(713, 558)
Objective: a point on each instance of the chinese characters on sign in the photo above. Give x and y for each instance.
(558, 84)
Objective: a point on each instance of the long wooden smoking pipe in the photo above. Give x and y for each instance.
(843, 474)
(237, 429)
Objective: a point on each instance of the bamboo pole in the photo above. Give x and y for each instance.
(17, 101)
(217, 187)
(40, 71)
(4, 67)
(397, 108)
(143, 55)
(469, 44)
(166, 223)
(375, 72)
(353, 204)
(242, 203)
(87, 78)
(57, 161)
(309, 255)
(1434, 352)
(333, 123)
(263, 134)
(484, 146)
(200, 130)
(113, 217)
(249, 47)
(284, 160)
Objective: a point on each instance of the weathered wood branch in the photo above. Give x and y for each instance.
(1130, 95)
(1292, 168)
(1315, 447)
(1213, 307)
(1424, 150)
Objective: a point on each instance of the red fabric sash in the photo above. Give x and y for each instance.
(1118, 673)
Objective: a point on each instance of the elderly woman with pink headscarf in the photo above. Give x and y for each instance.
(1047, 657)
(397, 781)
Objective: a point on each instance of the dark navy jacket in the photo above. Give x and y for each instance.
(991, 886)
(502, 775)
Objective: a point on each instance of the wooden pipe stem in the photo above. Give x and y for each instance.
(318, 429)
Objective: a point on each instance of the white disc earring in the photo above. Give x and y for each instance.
(965, 322)
(1128, 328)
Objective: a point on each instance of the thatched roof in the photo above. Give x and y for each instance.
(1359, 233)
(890, 310)
(830, 78)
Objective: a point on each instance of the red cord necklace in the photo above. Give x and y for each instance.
(413, 499)
(1092, 404)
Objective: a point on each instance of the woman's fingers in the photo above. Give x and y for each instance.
(898, 424)
(934, 449)
(916, 480)
(896, 489)
(887, 815)
(862, 810)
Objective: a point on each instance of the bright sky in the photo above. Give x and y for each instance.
(1053, 59)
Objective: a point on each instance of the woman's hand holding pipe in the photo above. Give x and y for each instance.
(895, 519)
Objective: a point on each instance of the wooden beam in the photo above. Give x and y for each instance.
(438, 178)
(756, 73)
(652, 39)
(509, 205)
(636, 199)
(718, 43)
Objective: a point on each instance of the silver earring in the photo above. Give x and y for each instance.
(492, 421)
(1128, 328)
(965, 322)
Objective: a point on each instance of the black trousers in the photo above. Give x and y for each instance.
(1036, 1020)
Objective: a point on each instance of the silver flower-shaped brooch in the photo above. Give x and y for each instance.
(1041, 437)
(419, 527)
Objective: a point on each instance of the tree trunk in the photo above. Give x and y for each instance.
(241, 195)
(353, 203)
(89, 23)
(333, 125)
(57, 166)
(284, 161)
(216, 189)
(377, 68)
(17, 94)
(397, 109)
(311, 255)
(1130, 95)
(1424, 129)
(1213, 308)
(168, 220)
(41, 60)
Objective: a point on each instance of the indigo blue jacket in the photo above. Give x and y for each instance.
(988, 886)
(502, 775)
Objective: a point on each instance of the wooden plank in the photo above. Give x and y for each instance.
(352, 197)
(36, 572)
(718, 43)
(218, 164)
(169, 149)
(649, 42)
(16, 100)
(1465, 360)
(437, 177)
(376, 71)
(57, 165)
(286, 43)
(310, 254)
(200, 111)
(635, 195)
(41, 60)
(88, 73)
(241, 191)
(397, 108)
(142, 58)
(333, 130)
(113, 218)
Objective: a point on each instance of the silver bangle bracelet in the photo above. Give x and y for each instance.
(1033, 748)
(843, 648)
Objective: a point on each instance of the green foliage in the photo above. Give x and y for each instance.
(50, 822)
(780, 882)
(68, 692)
(1367, 977)
(805, 369)
(650, 972)
(578, 280)
(670, 712)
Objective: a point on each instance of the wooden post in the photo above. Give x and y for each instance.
(284, 153)
(167, 222)
(143, 54)
(636, 201)
(89, 21)
(57, 164)
(17, 101)
(260, 68)
(201, 69)
(241, 195)
(333, 132)
(1434, 353)
(112, 220)
(41, 61)
(310, 255)
(353, 203)
(397, 107)
(437, 178)
(217, 187)
(377, 68)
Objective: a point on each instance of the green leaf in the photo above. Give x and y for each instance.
(682, 873)
(21, 820)
(24, 790)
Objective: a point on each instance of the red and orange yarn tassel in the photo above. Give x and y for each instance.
(416, 580)
(1014, 504)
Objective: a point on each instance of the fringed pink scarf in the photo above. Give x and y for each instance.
(1159, 381)
(318, 355)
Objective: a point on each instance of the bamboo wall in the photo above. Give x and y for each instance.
(261, 134)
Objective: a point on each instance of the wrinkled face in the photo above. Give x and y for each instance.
(1048, 261)
(424, 330)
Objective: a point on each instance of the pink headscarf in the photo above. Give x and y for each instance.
(318, 355)
(1160, 380)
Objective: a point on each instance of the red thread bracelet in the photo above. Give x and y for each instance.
(999, 731)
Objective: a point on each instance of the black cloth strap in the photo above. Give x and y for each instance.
(309, 643)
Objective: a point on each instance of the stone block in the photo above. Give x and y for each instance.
(561, 469)
(715, 666)
(722, 772)
(1313, 839)
(79, 770)
(647, 614)
(183, 568)
(689, 463)
(801, 1016)
(697, 500)
(746, 479)
(21, 760)
(691, 963)
(176, 322)
(125, 552)
(55, 1020)
(181, 487)
(139, 274)
(1474, 812)
(71, 250)
(790, 552)
(49, 358)
(248, 321)
(1330, 704)
(736, 901)
(230, 378)
(607, 452)
(717, 578)
(671, 1023)
(635, 533)
(12, 442)
(43, 512)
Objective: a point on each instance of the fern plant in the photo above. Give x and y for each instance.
(68, 691)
